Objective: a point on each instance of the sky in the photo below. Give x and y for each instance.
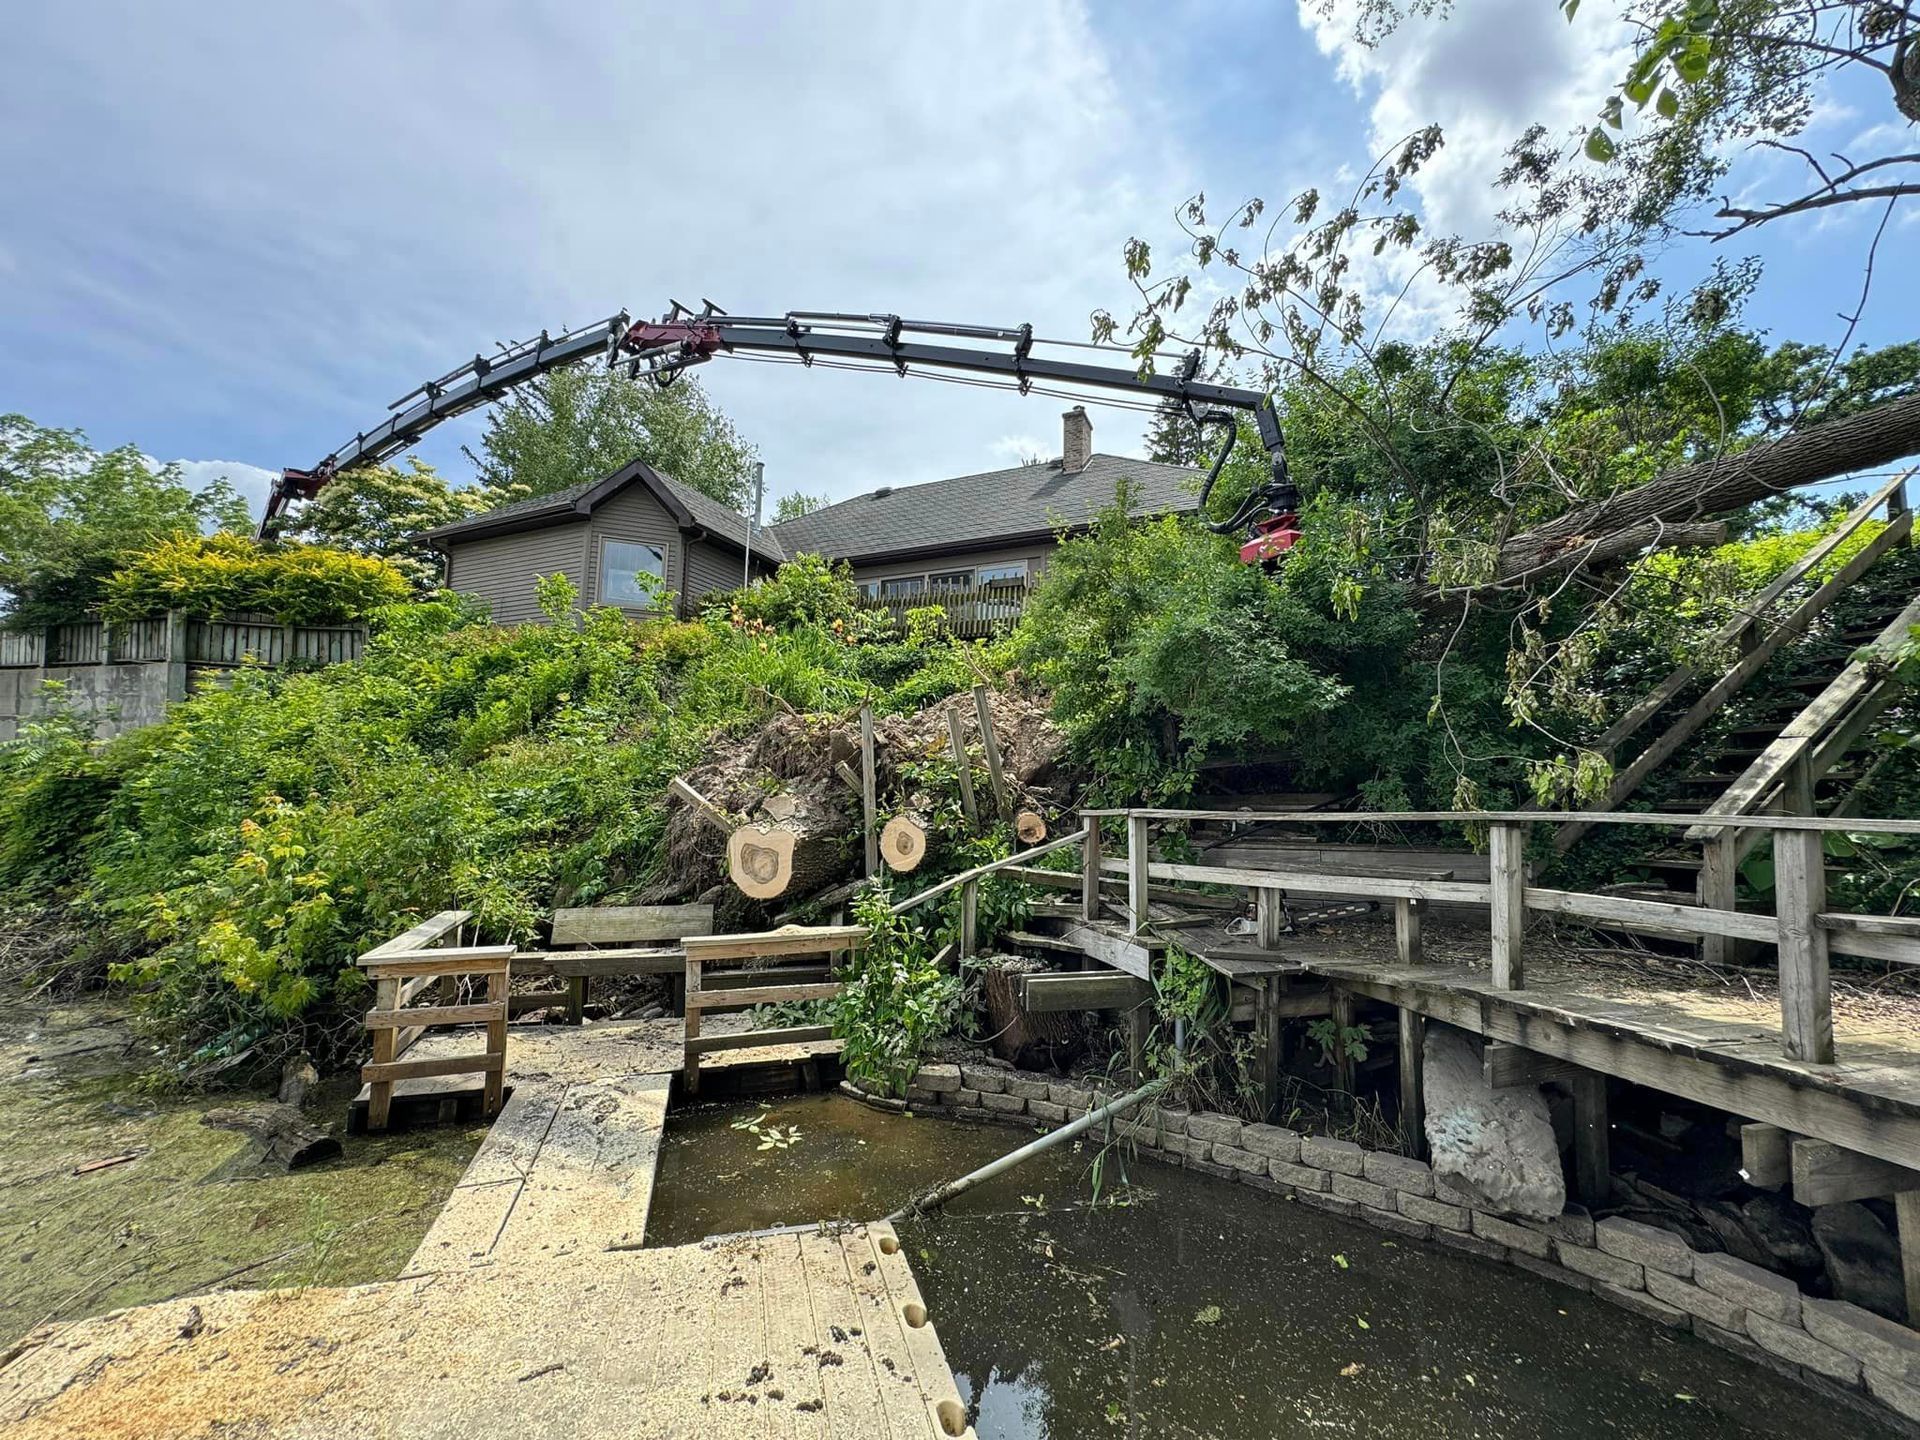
(234, 232)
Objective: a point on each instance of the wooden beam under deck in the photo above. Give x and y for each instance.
(1866, 1114)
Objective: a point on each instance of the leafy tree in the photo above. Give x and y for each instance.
(793, 505)
(584, 422)
(70, 515)
(379, 510)
(215, 575)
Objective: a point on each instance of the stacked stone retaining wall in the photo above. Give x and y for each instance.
(1829, 1344)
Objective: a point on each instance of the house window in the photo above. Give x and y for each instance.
(1014, 574)
(903, 585)
(951, 580)
(623, 563)
(870, 589)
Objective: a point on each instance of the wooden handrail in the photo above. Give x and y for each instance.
(1521, 817)
(967, 877)
(1662, 694)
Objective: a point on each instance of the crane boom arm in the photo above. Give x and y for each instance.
(683, 339)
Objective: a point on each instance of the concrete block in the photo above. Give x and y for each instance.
(920, 1099)
(1573, 1225)
(1886, 1345)
(1192, 1148)
(1234, 1158)
(1793, 1344)
(1449, 1190)
(1215, 1129)
(1514, 1237)
(1207, 1167)
(1343, 1157)
(1299, 1177)
(1396, 1222)
(1704, 1304)
(937, 1077)
(1364, 1191)
(1645, 1245)
(1547, 1270)
(1644, 1305)
(1607, 1269)
(1076, 1098)
(1470, 1244)
(973, 1112)
(965, 1099)
(1172, 1122)
(1272, 1142)
(1046, 1110)
(1748, 1286)
(986, 1081)
(1002, 1104)
(1398, 1172)
(1333, 1204)
(1028, 1088)
(1896, 1394)
(1266, 1185)
(1739, 1344)
(1437, 1213)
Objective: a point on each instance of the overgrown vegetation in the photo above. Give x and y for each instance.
(234, 860)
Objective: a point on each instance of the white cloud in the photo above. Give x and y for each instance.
(1018, 449)
(251, 481)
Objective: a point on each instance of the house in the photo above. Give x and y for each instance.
(981, 531)
(603, 534)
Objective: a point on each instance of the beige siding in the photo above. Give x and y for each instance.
(635, 515)
(501, 569)
(711, 569)
(1035, 555)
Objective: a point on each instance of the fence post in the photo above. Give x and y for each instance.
(1507, 874)
(1800, 894)
(1138, 851)
(176, 657)
(1089, 868)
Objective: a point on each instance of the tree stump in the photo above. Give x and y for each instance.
(801, 852)
(1030, 826)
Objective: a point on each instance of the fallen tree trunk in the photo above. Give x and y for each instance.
(903, 842)
(1879, 436)
(802, 850)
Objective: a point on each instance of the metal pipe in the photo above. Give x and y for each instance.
(939, 1196)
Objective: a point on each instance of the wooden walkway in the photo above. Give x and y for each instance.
(529, 1308)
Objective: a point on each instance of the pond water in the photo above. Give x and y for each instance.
(1183, 1306)
(113, 1196)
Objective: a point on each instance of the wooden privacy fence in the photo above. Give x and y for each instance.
(773, 967)
(409, 965)
(1805, 933)
(181, 639)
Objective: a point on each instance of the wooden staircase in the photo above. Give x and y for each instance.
(1777, 732)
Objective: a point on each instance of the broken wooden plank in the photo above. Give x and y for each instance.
(701, 805)
(869, 801)
(1504, 1065)
(1084, 990)
(1766, 1156)
(990, 749)
(962, 766)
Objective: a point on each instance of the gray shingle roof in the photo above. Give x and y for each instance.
(978, 509)
(709, 514)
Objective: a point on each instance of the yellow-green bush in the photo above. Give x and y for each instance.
(216, 575)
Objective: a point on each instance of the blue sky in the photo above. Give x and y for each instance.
(234, 232)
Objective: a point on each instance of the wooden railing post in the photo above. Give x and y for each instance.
(1719, 879)
(969, 919)
(1507, 875)
(1407, 917)
(1800, 894)
(1090, 870)
(1139, 851)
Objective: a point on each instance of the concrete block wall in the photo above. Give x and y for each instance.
(1651, 1272)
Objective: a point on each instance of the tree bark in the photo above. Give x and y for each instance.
(804, 850)
(1716, 487)
(287, 1139)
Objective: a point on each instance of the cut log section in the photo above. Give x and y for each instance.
(903, 842)
(803, 852)
(1030, 826)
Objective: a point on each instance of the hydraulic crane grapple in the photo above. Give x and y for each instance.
(685, 338)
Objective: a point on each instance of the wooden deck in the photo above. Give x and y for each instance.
(530, 1307)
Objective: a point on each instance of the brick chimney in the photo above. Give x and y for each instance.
(1076, 440)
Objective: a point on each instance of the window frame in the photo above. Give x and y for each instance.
(950, 580)
(1013, 572)
(607, 569)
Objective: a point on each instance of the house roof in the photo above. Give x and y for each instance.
(964, 512)
(978, 510)
(690, 509)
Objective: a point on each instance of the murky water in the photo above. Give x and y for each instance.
(110, 1196)
(1190, 1308)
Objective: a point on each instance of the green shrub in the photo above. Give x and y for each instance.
(893, 1001)
(215, 575)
